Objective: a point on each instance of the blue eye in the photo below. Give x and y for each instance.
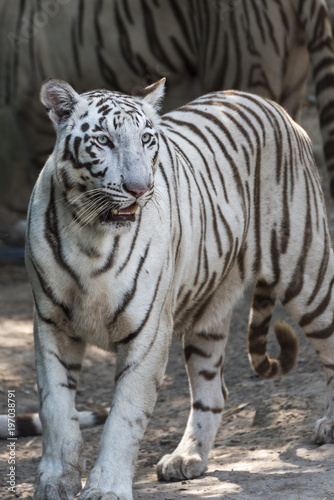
(103, 139)
(146, 138)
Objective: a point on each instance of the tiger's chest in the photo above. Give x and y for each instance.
(90, 313)
(107, 305)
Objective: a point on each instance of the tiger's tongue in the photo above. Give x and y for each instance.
(127, 210)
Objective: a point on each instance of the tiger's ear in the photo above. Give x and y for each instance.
(153, 94)
(59, 100)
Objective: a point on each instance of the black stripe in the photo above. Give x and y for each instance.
(177, 132)
(258, 21)
(285, 223)
(52, 235)
(214, 218)
(47, 289)
(241, 128)
(207, 374)
(271, 32)
(325, 83)
(296, 284)
(81, 12)
(199, 253)
(211, 118)
(41, 316)
(125, 42)
(128, 11)
(237, 52)
(198, 405)
(257, 213)
(153, 39)
(135, 333)
(68, 366)
(25, 425)
(181, 19)
(191, 350)
(216, 337)
(307, 318)
(183, 304)
(129, 295)
(110, 259)
(133, 243)
(107, 72)
(323, 334)
(75, 49)
(228, 230)
(177, 205)
(322, 268)
(204, 299)
(232, 164)
(241, 261)
(325, 63)
(98, 32)
(245, 119)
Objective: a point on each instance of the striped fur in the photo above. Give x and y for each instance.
(141, 226)
(29, 424)
(260, 46)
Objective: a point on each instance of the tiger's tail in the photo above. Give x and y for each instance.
(29, 424)
(258, 328)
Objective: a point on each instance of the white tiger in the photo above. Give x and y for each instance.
(141, 226)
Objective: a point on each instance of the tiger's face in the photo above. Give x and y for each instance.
(106, 151)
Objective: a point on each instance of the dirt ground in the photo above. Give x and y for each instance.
(264, 445)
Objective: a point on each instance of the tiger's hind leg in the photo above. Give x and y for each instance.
(315, 314)
(320, 332)
(204, 356)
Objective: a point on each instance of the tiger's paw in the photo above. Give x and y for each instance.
(180, 466)
(106, 483)
(324, 431)
(98, 494)
(64, 487)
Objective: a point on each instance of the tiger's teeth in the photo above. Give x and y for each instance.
(115, 212)
(134, 209)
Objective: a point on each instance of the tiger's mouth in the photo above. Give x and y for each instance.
(119, 215)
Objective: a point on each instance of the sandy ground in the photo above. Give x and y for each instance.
(263, 448)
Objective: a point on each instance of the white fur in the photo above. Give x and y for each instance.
(188, 245)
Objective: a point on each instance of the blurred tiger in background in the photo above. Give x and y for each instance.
(264, 47)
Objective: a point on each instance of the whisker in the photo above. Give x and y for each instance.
(81, 195)
(159, 195)
(86, 213)
(89, 212)
(157, 207)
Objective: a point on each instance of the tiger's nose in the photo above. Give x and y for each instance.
(137, 193)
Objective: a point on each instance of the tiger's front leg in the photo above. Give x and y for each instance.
(58, 362)
(141, 364)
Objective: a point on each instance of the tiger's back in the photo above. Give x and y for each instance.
(244, 217)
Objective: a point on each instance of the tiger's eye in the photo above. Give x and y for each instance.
(146, 138)
(103, 139)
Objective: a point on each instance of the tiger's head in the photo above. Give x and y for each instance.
(106, 150)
